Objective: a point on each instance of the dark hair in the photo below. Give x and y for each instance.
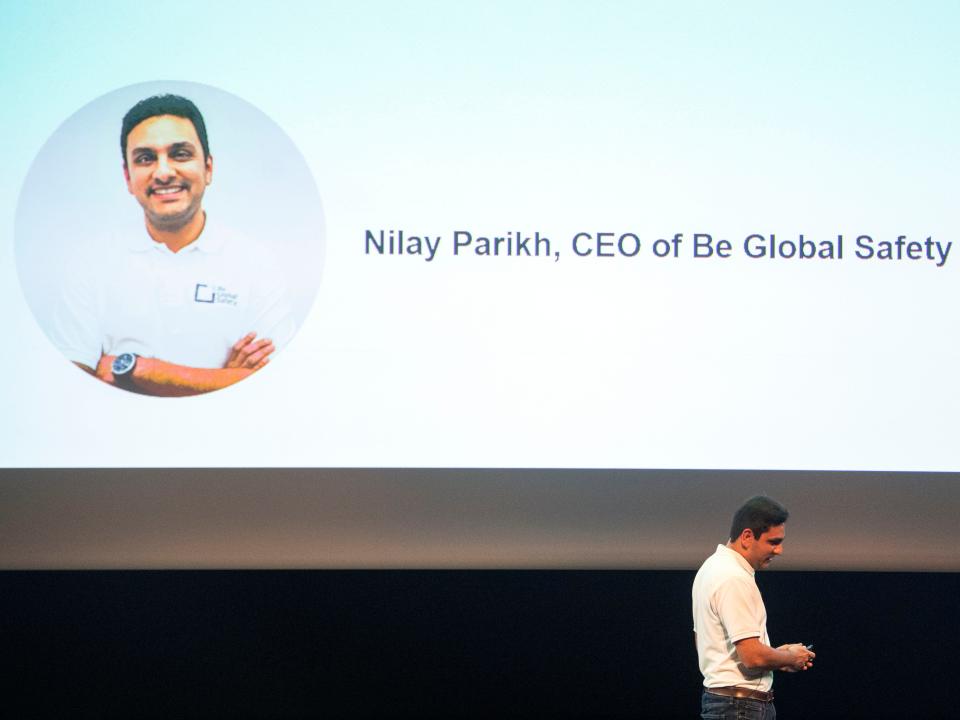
(759, 513)
(163, 105)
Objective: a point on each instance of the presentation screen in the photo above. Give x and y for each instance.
(552, 236)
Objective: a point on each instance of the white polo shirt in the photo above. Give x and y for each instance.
(727, 607)
(132, 294)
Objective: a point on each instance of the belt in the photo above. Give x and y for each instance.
(741, 692)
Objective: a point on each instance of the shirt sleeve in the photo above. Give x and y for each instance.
(272, 310)
(738, 607)
(76, 327)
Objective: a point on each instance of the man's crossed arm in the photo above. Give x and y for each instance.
(153, 376)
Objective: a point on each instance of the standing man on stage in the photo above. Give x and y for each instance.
(730, 621)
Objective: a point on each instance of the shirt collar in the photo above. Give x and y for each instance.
(740, 559)
(209, 241)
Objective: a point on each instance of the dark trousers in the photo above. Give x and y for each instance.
(720, 707)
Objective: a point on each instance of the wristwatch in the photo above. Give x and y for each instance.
(123, 367)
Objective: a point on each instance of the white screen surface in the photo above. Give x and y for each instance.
(558, 120)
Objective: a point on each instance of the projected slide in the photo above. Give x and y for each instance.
(636, 236)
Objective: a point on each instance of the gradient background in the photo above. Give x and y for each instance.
(559, 117)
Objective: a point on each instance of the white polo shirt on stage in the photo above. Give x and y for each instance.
(132, 294)
(727, 607)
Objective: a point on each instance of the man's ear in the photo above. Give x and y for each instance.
(126, 177)
(209, 169)
(747, 537)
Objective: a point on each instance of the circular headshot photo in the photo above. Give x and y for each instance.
(169, 239)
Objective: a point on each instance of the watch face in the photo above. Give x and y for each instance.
(124, 363)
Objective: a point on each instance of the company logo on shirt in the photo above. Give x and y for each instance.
(214, 294)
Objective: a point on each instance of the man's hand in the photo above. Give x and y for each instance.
(754, 655)
(802, 657)
(250, 353)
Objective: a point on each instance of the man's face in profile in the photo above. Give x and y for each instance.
(762, 550)
(166, 170)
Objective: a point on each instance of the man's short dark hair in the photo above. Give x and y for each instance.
(157, 105)
(759, 513)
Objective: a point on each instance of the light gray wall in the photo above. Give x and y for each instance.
(440, 518)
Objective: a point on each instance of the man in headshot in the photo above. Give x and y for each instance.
(180, 305)
(730, 621)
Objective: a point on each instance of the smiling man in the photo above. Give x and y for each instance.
(730, 621)
(182, 305)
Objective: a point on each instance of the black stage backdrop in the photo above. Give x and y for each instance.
(453, 643)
